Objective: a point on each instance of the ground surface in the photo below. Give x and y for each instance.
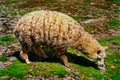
(98, 17)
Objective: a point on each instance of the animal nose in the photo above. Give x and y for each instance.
(99, 59)
(101, 65)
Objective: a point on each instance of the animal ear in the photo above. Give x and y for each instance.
(99, 51)
(105, 47)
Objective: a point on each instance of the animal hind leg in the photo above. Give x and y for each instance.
(39, 51)
(63, 57)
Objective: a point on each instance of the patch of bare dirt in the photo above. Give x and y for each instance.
(109, 33)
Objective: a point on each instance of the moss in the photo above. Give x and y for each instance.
(117, 9)
(87, 1)
(11, 1)
(104, 42)
(2, 72)
(113, 22)
(7, 38)
(6, 79)
(2, 42)
(60, 71)
(17, 69)
(115, 40)
(47, 68)
(117, 1)
(3, 57)
(76, 17)
(71, 50)
(113, 69)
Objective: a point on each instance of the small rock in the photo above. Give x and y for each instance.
(7, 63)
(3, 49)
(1, 65)
(12, 58)
(91, 78)
(77, 77)
(93, 20)
(29, 76)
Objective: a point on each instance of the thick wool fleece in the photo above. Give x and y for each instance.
(56, 30)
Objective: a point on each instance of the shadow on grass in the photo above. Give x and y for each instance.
(71, 58)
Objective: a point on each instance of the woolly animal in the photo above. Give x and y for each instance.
(58, 31)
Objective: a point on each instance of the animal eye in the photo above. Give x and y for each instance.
(99, 51)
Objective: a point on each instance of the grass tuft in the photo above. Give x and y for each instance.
(115, 40)
(17, 69)
(7, 38)
(3, 57)
(114, 22)
(60, 71)
(10, 1)
(112, 61)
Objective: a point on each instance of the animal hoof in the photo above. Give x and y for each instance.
(29, 63)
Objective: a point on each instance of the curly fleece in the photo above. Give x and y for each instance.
(56, 30)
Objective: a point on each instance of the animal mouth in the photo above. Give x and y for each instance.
(102, 68)
(101, 65)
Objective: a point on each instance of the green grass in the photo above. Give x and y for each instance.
(59, 71)
(7, 39)
(113, 22)
(8, 11)
(112, 60)
(117, 9)
(17, 69)
(113, 68)
(11, 1)
(2, 42)
(6, 79)
(87, 1)
(3, 72)
(76, 18)
(117, 1)
(72, 51)
(47, 68)
(115, 40)
(11, 12)
(3, 57)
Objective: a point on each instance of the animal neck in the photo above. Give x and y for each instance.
(86, 43)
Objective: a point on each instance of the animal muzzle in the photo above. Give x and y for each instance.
(101, 65)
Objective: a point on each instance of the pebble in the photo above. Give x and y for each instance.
(2, 49)
(2, 65)
(7, 63)
(12, 58)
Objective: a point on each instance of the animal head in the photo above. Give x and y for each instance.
(97, 53)
(99, 56)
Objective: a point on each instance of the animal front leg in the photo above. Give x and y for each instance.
(24, 56)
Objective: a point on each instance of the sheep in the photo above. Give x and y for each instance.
(58, 31)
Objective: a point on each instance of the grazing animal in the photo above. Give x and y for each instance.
(58, 31)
